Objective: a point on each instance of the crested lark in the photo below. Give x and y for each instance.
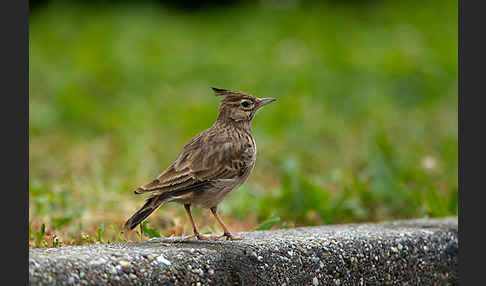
(211, 165)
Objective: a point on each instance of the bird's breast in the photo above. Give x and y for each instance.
(250, 146)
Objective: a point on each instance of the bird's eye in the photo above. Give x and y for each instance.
(245, 104)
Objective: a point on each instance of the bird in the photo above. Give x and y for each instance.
(210, 166)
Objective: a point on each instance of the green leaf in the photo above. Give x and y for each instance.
(267, 224)
(100, 231)
(117, 233)
(150, 232)
(43, 230)
(39, 235)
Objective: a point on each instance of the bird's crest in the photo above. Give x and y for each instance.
(225, 92)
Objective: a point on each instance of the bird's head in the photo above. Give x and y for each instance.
(239, 107)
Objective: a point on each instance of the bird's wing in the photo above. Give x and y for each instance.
(207, 157)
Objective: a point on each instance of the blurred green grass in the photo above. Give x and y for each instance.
(364, 129)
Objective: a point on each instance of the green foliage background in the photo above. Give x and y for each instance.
(364, 129)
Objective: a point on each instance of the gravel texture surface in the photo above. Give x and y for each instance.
(409, 252)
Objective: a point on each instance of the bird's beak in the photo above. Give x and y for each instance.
(265, 101)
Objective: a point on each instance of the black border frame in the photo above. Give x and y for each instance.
(14, 23)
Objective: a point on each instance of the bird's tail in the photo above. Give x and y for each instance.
(149, 207)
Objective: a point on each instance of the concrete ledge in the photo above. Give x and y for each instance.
(413, 252)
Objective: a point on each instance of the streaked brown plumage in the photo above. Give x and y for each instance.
(211, 165)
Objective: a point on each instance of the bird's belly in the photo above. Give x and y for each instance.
(212, 197)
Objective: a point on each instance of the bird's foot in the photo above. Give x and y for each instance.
(229, 236)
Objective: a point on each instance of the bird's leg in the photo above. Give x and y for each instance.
(226, 233)
(196, 232)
